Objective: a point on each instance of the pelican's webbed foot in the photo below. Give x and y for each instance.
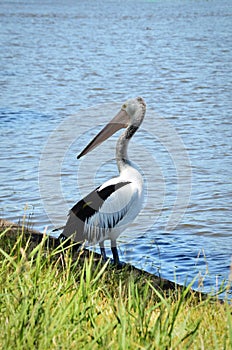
(114, 250)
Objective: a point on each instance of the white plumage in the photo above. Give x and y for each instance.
(116, 213)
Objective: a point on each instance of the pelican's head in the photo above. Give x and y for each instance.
(132, 113)
(135, 109)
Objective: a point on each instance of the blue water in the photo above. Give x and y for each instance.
(65, 70)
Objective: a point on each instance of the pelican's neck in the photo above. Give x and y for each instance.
(122, 145)
(123, 141)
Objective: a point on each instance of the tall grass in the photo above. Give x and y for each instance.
(49, 300)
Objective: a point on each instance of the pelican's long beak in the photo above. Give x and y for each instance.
(120, 121)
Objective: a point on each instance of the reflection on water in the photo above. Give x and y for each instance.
(58, 59)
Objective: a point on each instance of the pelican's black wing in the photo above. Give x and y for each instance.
(86, 208)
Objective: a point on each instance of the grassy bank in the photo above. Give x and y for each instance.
(53, 300)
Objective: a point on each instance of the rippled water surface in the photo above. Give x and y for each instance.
(65, 70)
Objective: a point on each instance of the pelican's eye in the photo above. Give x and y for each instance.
(124, 106)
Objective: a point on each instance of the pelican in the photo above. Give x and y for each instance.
(109, 209)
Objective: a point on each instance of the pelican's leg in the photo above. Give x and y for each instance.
(115, 253)
(103, 252)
